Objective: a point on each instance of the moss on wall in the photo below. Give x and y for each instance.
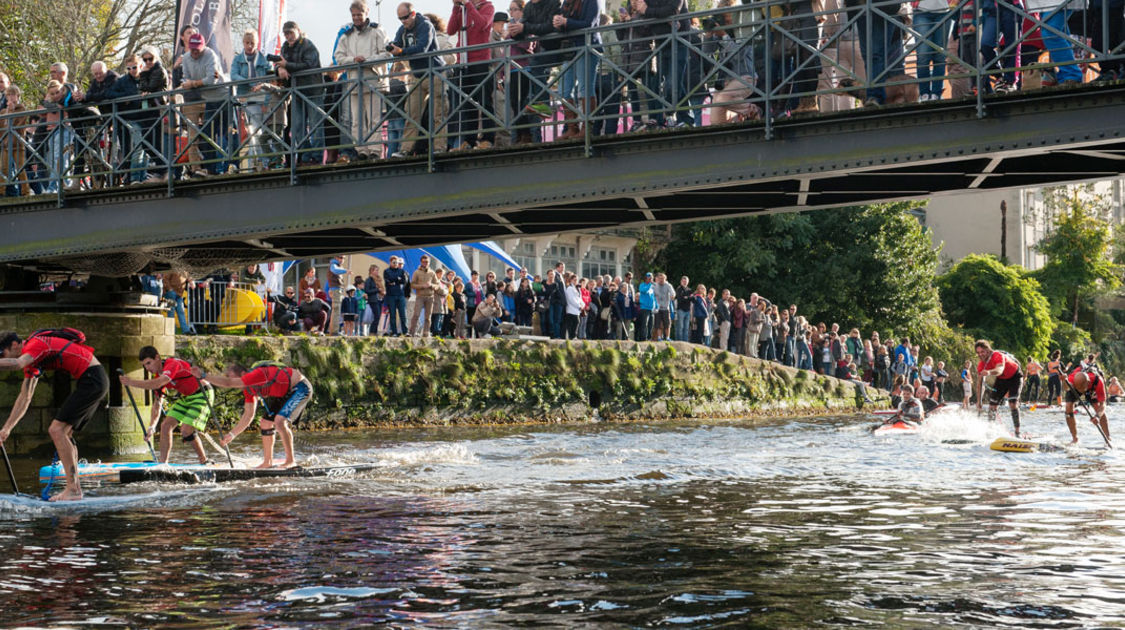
(380, 381)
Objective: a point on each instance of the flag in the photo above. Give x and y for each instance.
(212, 18)
(271, 15)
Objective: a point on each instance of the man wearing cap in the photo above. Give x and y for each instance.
(363, 41)
(646, 304)
(395, 283)
(51, 350)
(298, 56)
(203, 76)
(415, 37)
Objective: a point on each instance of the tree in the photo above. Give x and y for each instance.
(1077, 248)
(998, 302)
(33, 35)
(871, 267)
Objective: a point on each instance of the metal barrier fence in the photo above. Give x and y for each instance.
(757, 63)
(211, 306)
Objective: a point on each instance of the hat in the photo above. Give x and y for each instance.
(499, 16)
(648, 274)
(351, 289)
(195, 42)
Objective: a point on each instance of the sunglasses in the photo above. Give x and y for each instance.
(130, 67)
(406, 17)
(147, 59)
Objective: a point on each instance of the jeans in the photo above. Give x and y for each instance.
(934, 27)
(306, 125)
(255, 113)
(557, 311)
(133, 156)
(1062, 50)
(473, 108)
(644, 325)
(178, 308)
(216, 126)
(396, 306)
(394, 134)
(376, 307)
(804, 355)
(1002, 21)
(580, 78)
(790, 357)
(683, 325)
(609, 112)
(883, 55)
(766, 349)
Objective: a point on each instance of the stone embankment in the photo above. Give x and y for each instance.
(368, 382)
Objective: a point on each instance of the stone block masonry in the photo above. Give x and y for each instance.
(370, 382)
(116, 339)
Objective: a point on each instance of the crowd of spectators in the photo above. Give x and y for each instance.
(650, 65)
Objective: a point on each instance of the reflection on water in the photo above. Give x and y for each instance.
(796, 524)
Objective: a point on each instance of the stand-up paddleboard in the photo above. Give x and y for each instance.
(99, 471)
(201, 474)
(1017, 445)
(23, 504)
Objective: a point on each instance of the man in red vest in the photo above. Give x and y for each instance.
(57, 349)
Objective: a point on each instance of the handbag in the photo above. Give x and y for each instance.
(605, 314)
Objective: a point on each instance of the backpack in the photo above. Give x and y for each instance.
(72, 336)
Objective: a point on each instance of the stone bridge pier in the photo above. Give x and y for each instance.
(117, 333)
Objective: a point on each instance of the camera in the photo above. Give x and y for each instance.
(390, 47)
(273, 58)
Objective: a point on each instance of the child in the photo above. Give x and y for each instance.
(349, 308)
(967, 385)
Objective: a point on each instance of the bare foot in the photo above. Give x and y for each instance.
(264, 465)
(1074, 441)
(288, 464)
(67, 495)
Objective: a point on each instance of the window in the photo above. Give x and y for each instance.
(600, 261)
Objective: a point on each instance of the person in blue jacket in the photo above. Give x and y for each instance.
(415, 38)
(394, 285)
(646, 302)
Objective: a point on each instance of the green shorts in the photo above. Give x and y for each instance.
(193, 410)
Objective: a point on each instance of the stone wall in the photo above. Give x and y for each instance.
(116, 339)
(388, 382)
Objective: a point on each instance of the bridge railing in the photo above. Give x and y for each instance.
(757, 63)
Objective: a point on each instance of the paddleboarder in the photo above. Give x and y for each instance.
(57, 349)
(1009, 380)
(284, 392)
(1089, 385)
(190, 411)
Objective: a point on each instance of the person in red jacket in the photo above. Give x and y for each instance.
(46, 350)
(285, 393)
(1009, 380)
(1088, 384)
(472, 23)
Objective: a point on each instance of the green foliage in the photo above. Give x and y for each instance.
(1072, 340)
(989, 299)
(871, 267)
(1077, 247)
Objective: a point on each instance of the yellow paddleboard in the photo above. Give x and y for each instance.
(1016, 445)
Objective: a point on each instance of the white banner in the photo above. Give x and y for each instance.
(271, 15)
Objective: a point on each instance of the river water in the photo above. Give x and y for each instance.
(792, 524)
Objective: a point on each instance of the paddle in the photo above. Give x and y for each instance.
(8, 465)
(141, 422)
(1093, 419)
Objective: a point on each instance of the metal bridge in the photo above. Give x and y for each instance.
(776, 163)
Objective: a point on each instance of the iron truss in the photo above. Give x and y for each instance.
(826, 161)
